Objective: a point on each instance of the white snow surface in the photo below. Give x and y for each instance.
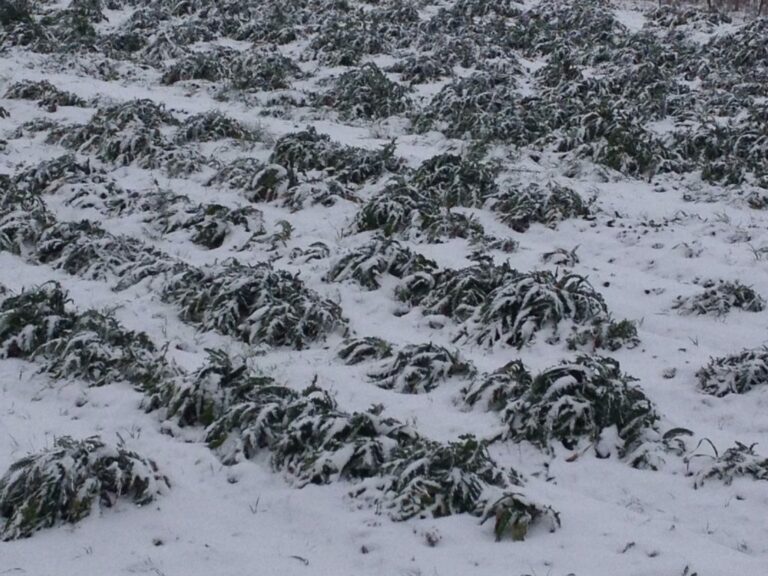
(248, 519)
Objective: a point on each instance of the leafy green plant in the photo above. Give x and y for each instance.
(578, 401)
(736, 462)
(528, 303)
(211, 126)
(419, 368)
(604, 334)
(44, 92)
(455, 181)
(734, 374)
(492, 391)
(548, 205)
(357, 350)
(368, 263)
(366, 92)
(719, 297)
(65, 482)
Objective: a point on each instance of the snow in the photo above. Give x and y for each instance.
(249, 519)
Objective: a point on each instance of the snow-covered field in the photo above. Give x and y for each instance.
(488, 181)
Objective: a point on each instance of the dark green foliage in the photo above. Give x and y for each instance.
(211, 126)
(63, 483)
(356, 350)
(454, 181)
(395, 209)
(368, 263)
(460, 293)
(306, 151)
(44, 92)
(242, 174)
(255, 70)
(577, 401)
(417, 369)
(91, 346)
(315, 251)
(420, 69)
(604, 334)
(515, 514)
(31, 319)
(212, 65)
(210, 224)
(548, 205)
(49, 176)
(366, 92)
(123, 134)
(200, 398)
(736, 462)
(23, 218)
(735, 374)
(528, 303)
(84, 249)
(482, 106)
(719, 297)
(493, 391)
(269, 184)
(254, 303)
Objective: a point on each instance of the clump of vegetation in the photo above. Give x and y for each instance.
(417, 369)
(427, 479)
(123, 134)
(210, 224)
(356, 350)
(49, 176)
(494, 390)
(254, 303)
(548, 205)
(396, 209)
(90, 345)
(482, 106)
(368, 263)
(736, 462)
(578, 401)
(306, 151)
(211, 126)
(604, 334)
(527, 303)
(65, 482)
(366, 92)
(241, 174)
(735, 374)
(212, 65)
(460, 293)
(46, 94)
(455, 181)
(719, 297)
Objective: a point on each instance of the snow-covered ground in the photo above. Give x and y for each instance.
(645, 244)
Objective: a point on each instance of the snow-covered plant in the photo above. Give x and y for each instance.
(578, 401)
(254, 303)
(366, 92)
(561, 257)
(48, 176)
(459, 293)
(492, 391)
(201, 397)
(518, 208)
(427, 479)
(356, 350)
(604, 333)
(315, 251)
(455, 181)
(213, 65)
(241, 174)
(306, 151)
(261, 69)
(23, 218)
(736, 462)
(394, 210)
(366, 265)
(719, 297)
(528, 303)
(85, 249)
(345, 38)
(419, 368)
(210, 126)
(483, 106)
(271, 183)
(735, 374)
(64, 483)
(324, 192)
(123, 134)
(320, 446)
(210, 224)
(44, 92)
(421, 68)
(31, 319)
